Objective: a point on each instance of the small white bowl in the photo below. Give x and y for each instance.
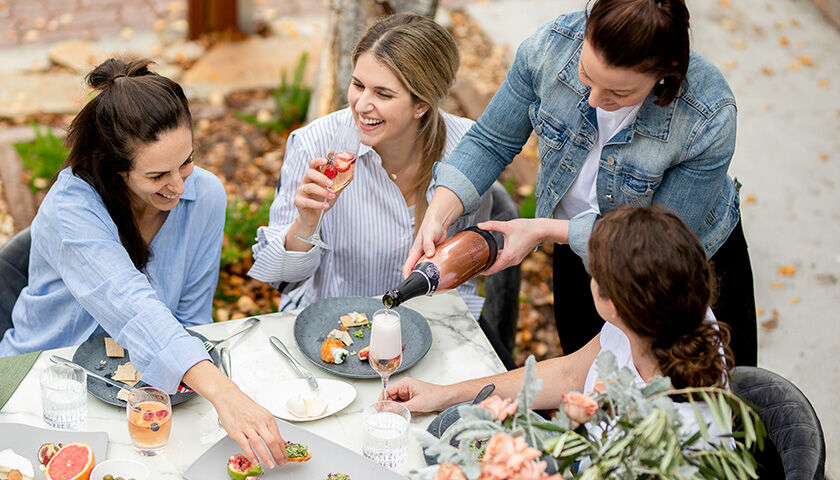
(118, 467)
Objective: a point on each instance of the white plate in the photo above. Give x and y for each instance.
(337, 394)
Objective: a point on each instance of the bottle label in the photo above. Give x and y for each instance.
(431, 273)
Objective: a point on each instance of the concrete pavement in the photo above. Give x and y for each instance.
(782, 60)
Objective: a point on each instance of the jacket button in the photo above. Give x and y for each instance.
(610, 160)
(537, 129)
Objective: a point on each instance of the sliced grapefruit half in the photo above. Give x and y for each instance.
(73, 461)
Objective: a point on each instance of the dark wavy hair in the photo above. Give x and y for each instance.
(649, 36)
(654, 270)
(133, 107)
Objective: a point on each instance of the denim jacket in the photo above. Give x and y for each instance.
(676, 156)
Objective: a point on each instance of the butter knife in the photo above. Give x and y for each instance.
(57, 359)
(310, 379)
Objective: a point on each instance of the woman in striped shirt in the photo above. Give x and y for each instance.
(403, 68)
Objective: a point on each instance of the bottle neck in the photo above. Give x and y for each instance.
(423, 280)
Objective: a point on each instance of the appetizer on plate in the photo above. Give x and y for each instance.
(333, 351)
(240, 468)
(298, 452)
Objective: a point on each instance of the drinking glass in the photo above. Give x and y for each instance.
(385, 345)
(64, 395)
(341, 160)
(149, 415)
(386, 433)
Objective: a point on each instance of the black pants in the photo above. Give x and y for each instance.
(578, 321)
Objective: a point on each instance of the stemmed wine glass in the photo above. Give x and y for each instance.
(341, 159)
(385, 345)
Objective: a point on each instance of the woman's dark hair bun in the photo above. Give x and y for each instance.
(112, 69)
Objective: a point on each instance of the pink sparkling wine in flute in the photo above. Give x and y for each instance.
(339, 169)
(385, 344)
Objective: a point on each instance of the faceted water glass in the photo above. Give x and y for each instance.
(64, 396)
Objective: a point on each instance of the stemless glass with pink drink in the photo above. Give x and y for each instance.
(149, 414)
(341, 159)
(385, 344)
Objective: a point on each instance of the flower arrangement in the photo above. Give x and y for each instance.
(620, 430)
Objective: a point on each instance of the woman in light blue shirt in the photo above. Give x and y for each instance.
(128, 241)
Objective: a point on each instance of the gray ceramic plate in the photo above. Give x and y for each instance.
(439, 424)
(25, 440)
(91, 353)
(317, 320)
(327, 457)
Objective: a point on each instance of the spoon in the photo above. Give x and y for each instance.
(484, 393)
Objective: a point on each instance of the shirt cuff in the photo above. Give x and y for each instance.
(580, 229)
(168, 367)
(273, 263)
(450, 177)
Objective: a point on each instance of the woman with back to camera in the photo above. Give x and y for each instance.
(625, 114)
(652, 285)
(128, 240)
(403, 67)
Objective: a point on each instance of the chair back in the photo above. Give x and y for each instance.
(792, 424)
(14, 275)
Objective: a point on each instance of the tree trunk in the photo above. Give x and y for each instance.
(348, 19)
(205, 16)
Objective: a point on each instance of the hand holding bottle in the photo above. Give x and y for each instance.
(444, 209)
(522, 235)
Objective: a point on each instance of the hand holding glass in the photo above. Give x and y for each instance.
(385, 345)
(341, 159)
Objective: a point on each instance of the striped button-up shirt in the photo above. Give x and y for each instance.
(370, 228)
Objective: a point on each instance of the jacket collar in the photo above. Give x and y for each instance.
(652, 120)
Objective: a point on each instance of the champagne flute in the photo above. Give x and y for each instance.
(341, 160)
(385, 345)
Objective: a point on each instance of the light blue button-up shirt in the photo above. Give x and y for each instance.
(81, 279)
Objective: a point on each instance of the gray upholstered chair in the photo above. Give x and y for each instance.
(792, 425)
(14, 274)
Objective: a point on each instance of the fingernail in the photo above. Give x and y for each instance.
(329, 183)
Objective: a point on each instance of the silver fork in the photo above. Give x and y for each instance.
(211, 344)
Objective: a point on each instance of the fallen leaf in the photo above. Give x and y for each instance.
(725, 3)
(770, 324)
(795, 65)
(739, 44)
(806, 60)
(827, 279)
(730, 64)
(823, 83)
(247, 304)
(823, 157)
(779, 25)
(783, 41)
(767, 70)
(728, 24)
(764, 108)
(758, 30)
(787, 270)
(794, 22)
(750, 199)
(222, 315)
(777, 285)
(794, 300)
(759, 311)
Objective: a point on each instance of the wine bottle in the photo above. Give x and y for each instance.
(455, 261)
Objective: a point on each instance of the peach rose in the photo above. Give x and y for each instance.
(449, 471)
(508, 457)
(600, 387)
(579, 407)
(501, 409)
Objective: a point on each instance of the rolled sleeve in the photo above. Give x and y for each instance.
(272, 262)
(170, 365)
(450, 177)
(580, 229)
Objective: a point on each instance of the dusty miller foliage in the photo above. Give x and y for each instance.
(636, 433)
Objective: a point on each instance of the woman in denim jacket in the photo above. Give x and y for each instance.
(625, 114)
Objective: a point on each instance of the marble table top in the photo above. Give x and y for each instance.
(459, 351)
